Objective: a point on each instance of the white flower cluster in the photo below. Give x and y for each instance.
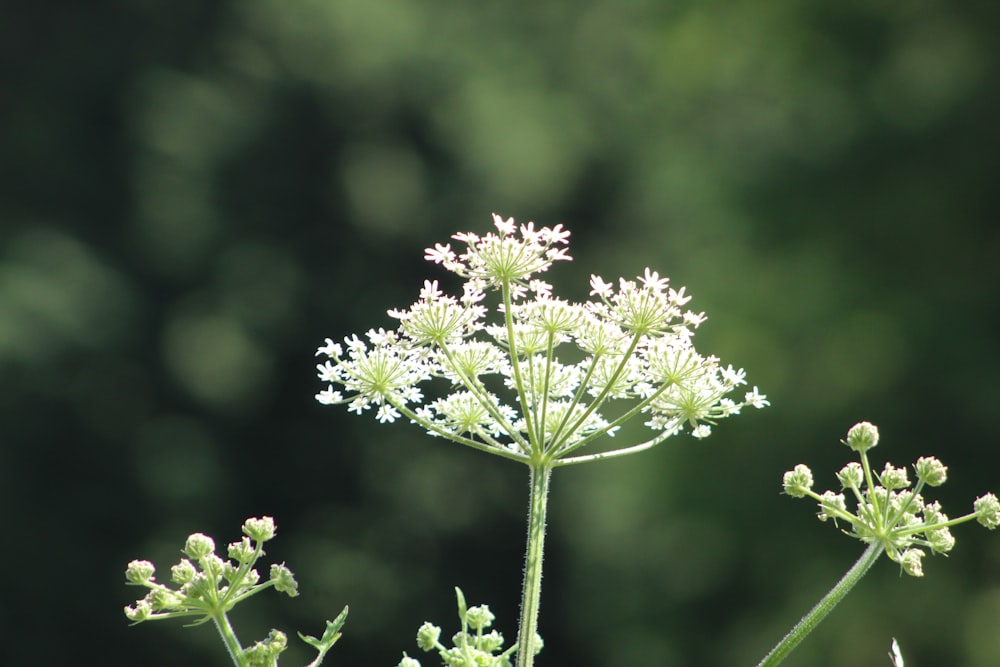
(631, 351)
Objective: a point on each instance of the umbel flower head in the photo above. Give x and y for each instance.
(204, 583)
(629, 352)
(887, 509)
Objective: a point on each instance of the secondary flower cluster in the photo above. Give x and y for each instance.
(632, 354)
(205, 584)
(889, 511)
(471, 645)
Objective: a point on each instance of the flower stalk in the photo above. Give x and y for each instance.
(819, 612)
(510, 393)
(531, 594)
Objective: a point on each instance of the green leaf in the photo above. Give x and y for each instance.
(329, 638)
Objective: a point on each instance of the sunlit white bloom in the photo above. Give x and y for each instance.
(509, 391)
(694, 319)
(755, 399)
(652, 280)
(598, 287)
(540, 288)
(557, 235)
(701, 431)
(505, 227)
(329, 349)
(387, 413)
(430, 291)
(329, 397)
(733, 376)
(440, 254)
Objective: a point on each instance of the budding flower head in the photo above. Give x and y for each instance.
(851, 476)
(183, 572)
(894, 478)
(798, 482)
(260, 530)
(140, 612)
(265, 652)
(427, 636)
(931, 471)
(911, 562)
(887, 511)
(206, 585)
(987, 510)
(284, 581)
(139, 572)
(479, 617)
(242, 551)
(199, 546)
(862, 436)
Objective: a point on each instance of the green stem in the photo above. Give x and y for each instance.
(532, 590)
(229, 638)
(823, 607)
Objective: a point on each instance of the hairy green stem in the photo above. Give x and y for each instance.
(229, 638)
(532, 590)
(823, 607)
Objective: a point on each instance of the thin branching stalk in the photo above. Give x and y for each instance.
(823, 607)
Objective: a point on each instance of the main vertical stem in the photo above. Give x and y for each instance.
(532, 590)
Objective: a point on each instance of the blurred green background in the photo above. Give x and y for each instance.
(193, 195)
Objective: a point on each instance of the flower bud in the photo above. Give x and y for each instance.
(862, 436)
(427, 636)
(260, 530)
(250, 577)
(183, 572)
(241, 551)
(200, 587)
(199, 546)
(931, 471)
(798, 481)
(265, 653)
(164, 599)
(987, 510)
(479, 617)
(941, 540)
(140, 612)
(911, 562)
(894, 478)
(139, 572)
(851, 476)
(284, 581)
(490, 642)
(832, 506)
(407, 661)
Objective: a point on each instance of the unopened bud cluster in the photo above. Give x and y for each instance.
(472, 645)
(203, 583)
(887, 510)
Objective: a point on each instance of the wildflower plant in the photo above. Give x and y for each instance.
(206, 587)
(471, 645)
(629, 356)
(890, 515)
(626, 355)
